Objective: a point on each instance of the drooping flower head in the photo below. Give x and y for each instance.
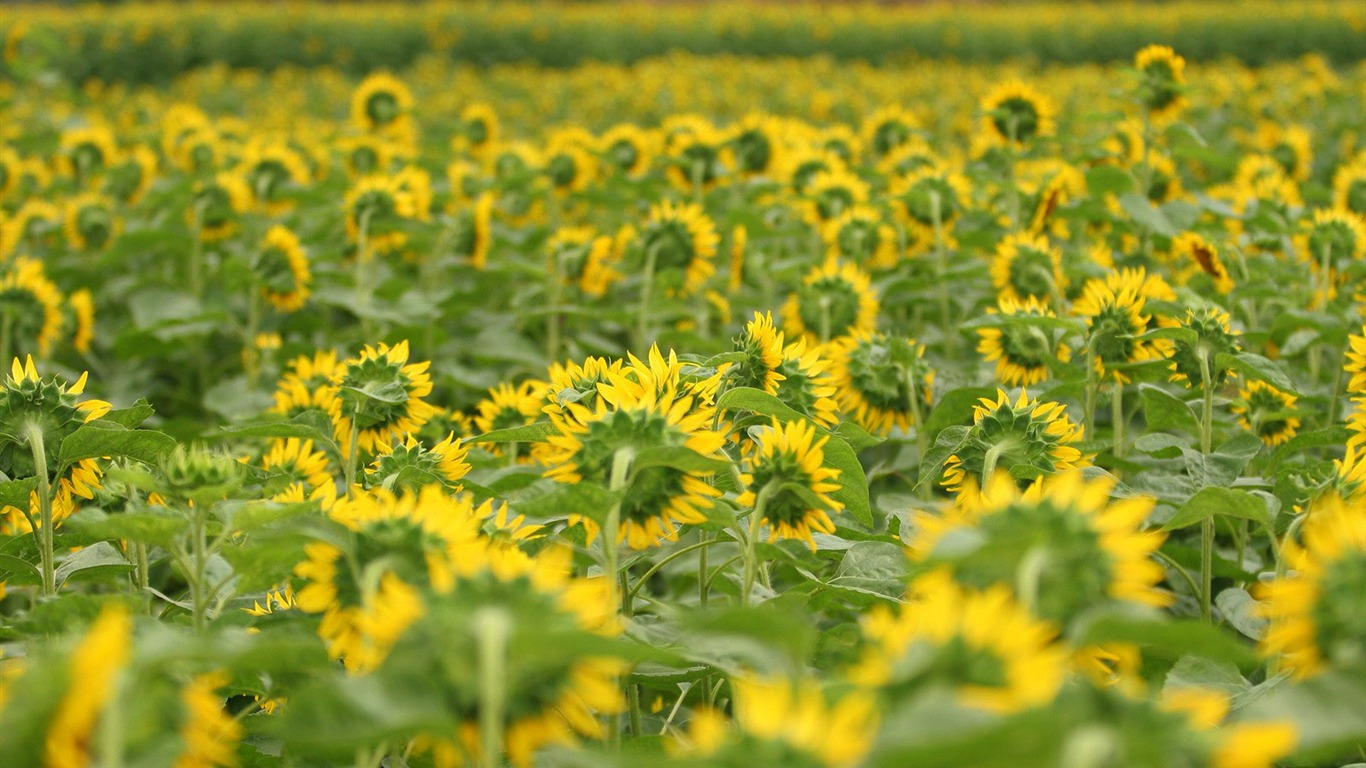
(281, 265)
(1025, 438)
(1267, 412)
(1027, 266)
(379, 397)
(1016, 113)
(783, 455)
(1021, 351)
(1194, 360)
(683, 240)
(876, 375)
(1162, 81)
(835, 299)
(1113, 307)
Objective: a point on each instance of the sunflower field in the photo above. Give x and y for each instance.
(709, 407)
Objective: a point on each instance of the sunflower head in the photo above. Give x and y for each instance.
(831, 193)
(930, 196)
(628, 149)
(377, 207)
(755, 145)
(1028, 266)
(888, 128)
(876, 375)
(807, 385)
(30, 305)
(91, 222)
(583, 258)
(1015, 113)
(479, 128)
(379, 397)
(1267, 412)
(379, 101)
(785, 479)
(762, 347)
(1316, 610)
(1025, 439)
(413, 466)
(1349, 188)
(48, 408)
(861, 235)
(1088, 550)
(980, 642)
(508, 406)
(1193, 249)
(1195, 359)
(281, 266)
(218, 204)
(1162, 81)
(1333, 237)
(1021, 351)
(684, 241)
(1114, 310)
(834, 299)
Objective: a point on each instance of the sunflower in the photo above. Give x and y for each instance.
(695, 157)
(379, 398)
(1021, 350)
(784, 722)
(835, 299)
(1113, 307)
(10, 171)
(472, 233)
(36, 225)
(878, 378)
(983, 643)
(379, 102)
(401, 542)
(928, 196)
(569, 168)
(1026, 438)
(294, 461)
(1162, 82)
(574, 383)
(915, 155)
(583, 258)
(478, 129)
(683, 242)
(628, 149)
(638, 409)
(412, 465)
(762, 347)
(802, 164)
(1097, 549)
(739, 239)
(807, 385)
(508, 406)
(217, 206)
(281, 266)
(831, 193)
(1332, 242)
(1192, 248)
(1315, 610)
(1050, 185)
(785, 455)
(91, 222)
(307, 384)
(755, 145)
(861, 235)
(96, 664)
(367, 155)
(272, 168)
(209, 732)
(1191, 362)
(1014, 113)
(87, 152)
(377, 207)
(888, 128)
(1027, 266)
(1349, 188)
(1267, 412)
(82, 305)
(1290, 145)
(31, 306)
(552, 697)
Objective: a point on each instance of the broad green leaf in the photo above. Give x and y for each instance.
(1144, 213)
(90, 442)
(1257, 367)
(955, 408)
(1108, 180)
(750, 399)
(678, 457)
(311, 425)
(853, 492)
(93, 563)
(1215, 501)
(130, 417)
(1167, 638)
(1242, 611)
(1164, 411)
(15, 570)
(531, 433)
(16, 493)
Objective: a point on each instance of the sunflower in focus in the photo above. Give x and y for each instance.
(1026, 267)
(762, 347)
(1026, 438)
(834, 299)
(982, 643)
(306, 384)
(683, 241)
(807, 385)
(1192, 362)
(1021, 350)
(282, 269)
(881, 381)
(1162, 81)
(783, 455)
(1014, 113)
(639, 408)
(1315, 609)
(412, 465)
(294, 461)
(574, 383)
(1267, 412)
(1098, 549)
(364, 422)
(509, 406)
(1113, 307)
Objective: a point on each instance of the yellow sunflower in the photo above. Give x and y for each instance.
(379, 398)
(835, 299)
(1267, 412)
(1192, 248)
(1027, 436)
(1027, 266)
(31, 307)
(683, 242)
(92, 223)
(282, 268)
(1113, 307)
(762, 346)
(862, 236)
(1021, 351)
(96, 664)
(1162, 81)
(583, 258)
(209, 732)
(218, 205)
(1015, 113)
(507, 406)
(380, 101)
(785, 454)
(880, 380)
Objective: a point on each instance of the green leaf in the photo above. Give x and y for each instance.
(551, 499)
(1143, 212)
(1216, 501)
(1328, 711)
(310, 425)
(875, 567)
(1161, 445)
(1108, 180)
(1334, 436)
(1164, 411)
(955, 408)
(750, 399)
(531, 433)
(1200, 672)
(1242, 611)
(16, 493)
(1257, 367)
(150, 527)
(130, 417)
(857, 437)
(948, 442)
(93, 563)
(91, 442)
(678, 457)
(15, 570)
(853, 492)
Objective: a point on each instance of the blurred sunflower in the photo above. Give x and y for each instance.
(376, 208)
(471, 232)
(1162, 80)
(1267, 412)
(281, 265)
(582, 258)
(878, 379)
(1014, 113)
(888, 128)
(1027, 266)
(217, 206)
(1026, 438)
(1021, 350)
(1192, 361)
(683, 241)
(30, 307)
(92, 223)
(834, 299)
(1192, 248)
(862, 236)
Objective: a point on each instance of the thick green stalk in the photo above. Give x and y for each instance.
(756, 519)
(647, 288)
(1206, 525)
(45, 548)
(492, 626)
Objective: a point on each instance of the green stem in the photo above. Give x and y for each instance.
(756, 519)
(34, 433)
(824, 304)
(922, 440)
(364, 291)
(552, 317)
(492, 626)
(1117, 418)
(1206, 525)
(702, 545)
(6, 336)
(621, 465)
(647, 285)
(1185, 574)
(352, 454)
